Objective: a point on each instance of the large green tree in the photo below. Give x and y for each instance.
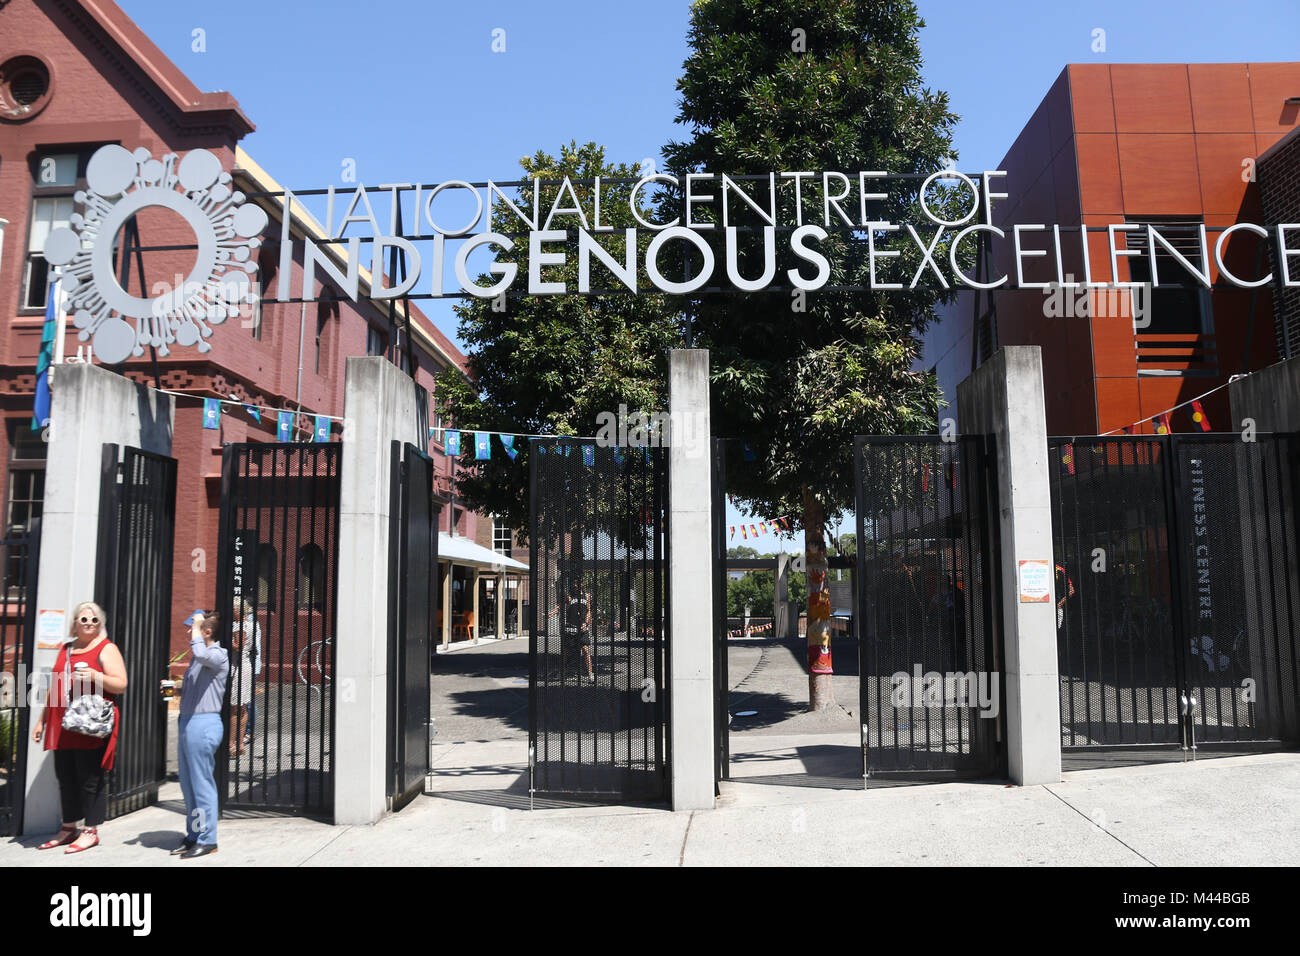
(811, 85)
(552, 364)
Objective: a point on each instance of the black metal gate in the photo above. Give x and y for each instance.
(721, 684)
(1177, 589)
(928, 585)
(279, 556)
(20, 553)
(1240, 585)
(412, 610)
(133, 583)
(598, 639)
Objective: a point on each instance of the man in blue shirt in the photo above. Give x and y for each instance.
(199, 733)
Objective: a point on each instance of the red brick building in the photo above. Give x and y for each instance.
(1172, 145)
(78, 74)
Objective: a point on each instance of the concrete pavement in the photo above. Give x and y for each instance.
(796, 798)
(1228, 811)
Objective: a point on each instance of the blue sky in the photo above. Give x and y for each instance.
(412, 90)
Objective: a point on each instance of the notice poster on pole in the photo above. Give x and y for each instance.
(51, 628)
(1035, 582)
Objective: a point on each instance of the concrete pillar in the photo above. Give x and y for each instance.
(380, 405)
(90, 407)
(1004, 398)
(690, 581)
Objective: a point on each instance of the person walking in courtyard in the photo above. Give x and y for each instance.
(245, 644)
(80, 724)
(199, 735)
(249, 625)
(577, 627)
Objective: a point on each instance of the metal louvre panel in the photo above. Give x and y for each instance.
(134, 586)
(927, 586)
(279, 552)
(1118, 669)
(20, 553)
(599, 525)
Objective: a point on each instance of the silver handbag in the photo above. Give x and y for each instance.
(88, 714)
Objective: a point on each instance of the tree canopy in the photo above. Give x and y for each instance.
(789, 85)
(552, 364)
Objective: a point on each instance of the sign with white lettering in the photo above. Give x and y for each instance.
(720, 221)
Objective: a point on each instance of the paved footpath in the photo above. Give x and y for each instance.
(1228, 811)
(796, 797)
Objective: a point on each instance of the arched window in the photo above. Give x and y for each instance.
(267, 582)
(311, 578)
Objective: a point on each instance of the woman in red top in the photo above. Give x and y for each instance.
(80, 761)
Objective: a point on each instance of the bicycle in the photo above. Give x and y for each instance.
(315, 650)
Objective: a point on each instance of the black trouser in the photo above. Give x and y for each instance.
(83, 788)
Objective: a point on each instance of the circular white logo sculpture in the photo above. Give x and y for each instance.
(226, 231)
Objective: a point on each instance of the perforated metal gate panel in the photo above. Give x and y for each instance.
(279, 554)
(413, 597)
(1237, 536)
(598, 641)
(20, 556)
(930, 691)
(133, 583)
(1115, 636)
(1177, 579)
(721, 684)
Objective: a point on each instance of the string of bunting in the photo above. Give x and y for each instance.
(747, 531)
(452, 444)
(451, 440)
(284, 418)
(1160, 423)
(753, 530)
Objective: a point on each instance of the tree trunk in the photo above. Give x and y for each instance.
(820, 695)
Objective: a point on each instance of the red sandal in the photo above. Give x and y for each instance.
(61, 840)
(93, 831)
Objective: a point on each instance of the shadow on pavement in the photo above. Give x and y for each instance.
(504, 704)
(826, 766)
(771, 709)
(506, 659)
(515, 795)
(1106, 759)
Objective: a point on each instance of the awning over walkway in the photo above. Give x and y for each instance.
(461, 550)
